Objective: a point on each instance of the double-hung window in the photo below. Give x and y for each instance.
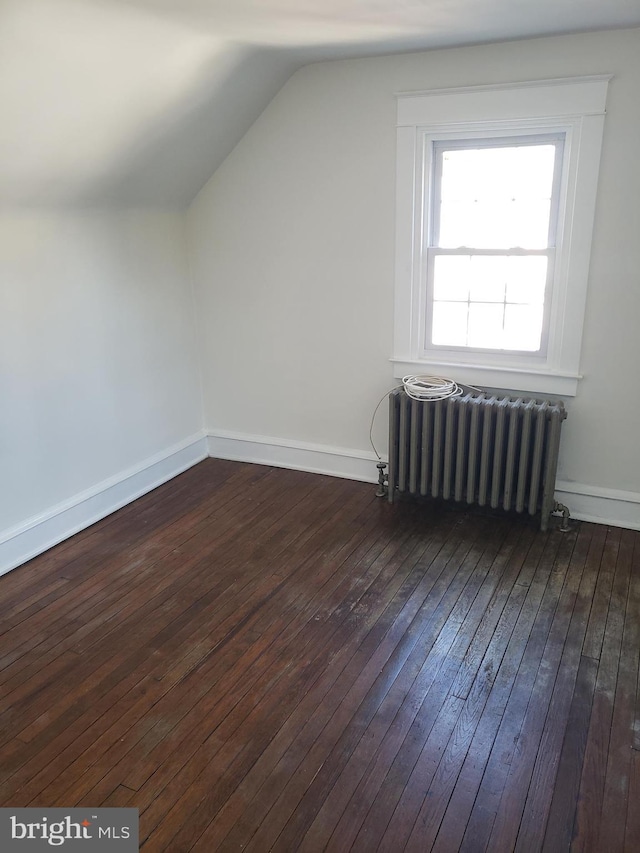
(491, 242)
(495, 208)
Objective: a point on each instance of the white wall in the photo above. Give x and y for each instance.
(293, 250)
(98, 369)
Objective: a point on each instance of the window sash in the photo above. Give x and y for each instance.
(432, 200)
(426, 334)
(472, 142)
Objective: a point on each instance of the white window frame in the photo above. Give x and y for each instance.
(573, 107)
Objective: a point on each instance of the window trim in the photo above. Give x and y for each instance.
(573, 107)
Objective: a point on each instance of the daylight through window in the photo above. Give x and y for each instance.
(492, 241)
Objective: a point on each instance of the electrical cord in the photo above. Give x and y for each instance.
(426, 389)
(430, 387)
(373, 417)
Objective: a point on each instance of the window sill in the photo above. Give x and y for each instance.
(525, 380)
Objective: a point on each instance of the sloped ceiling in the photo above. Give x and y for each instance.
(333, 28)
(109, 104)
(138, 101)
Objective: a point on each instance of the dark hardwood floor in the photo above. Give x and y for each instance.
(260, 659)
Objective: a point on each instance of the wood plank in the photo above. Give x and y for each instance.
(632, 827)
(573, 609)
(532, 826)
(533, 624)
(248, 685)
(389, 727)
(85, 607)
(266, 659)
(187, 664)
(106, 651)
(591, 795)
(346, 693)
(425, 768)
(560, 644)
(507, 639)
(558, 829)
(358, 744)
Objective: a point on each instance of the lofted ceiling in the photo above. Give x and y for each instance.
(138, 101)
(331, 28)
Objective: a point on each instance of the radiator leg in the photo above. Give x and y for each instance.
(383, 488)
(558, 507)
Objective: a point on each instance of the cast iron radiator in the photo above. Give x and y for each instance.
(477, 449)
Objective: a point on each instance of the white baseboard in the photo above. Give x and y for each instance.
(602, 506)
(37, 534)
(586, 503)
(301, 456)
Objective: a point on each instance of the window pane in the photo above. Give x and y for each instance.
(489, 301)
(527, 279)
(520, 171)
(451, 276)
(485, 325)
(523, 327)
(496, 197)
(530, 223)
(488, 278)
(450, 324)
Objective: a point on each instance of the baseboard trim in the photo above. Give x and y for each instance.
(602, 506)
(39, 533)
(586, 503)
(301, 456)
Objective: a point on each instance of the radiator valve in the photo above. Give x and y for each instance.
(383, 479)
(558, 507)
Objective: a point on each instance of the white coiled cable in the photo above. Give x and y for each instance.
(430, 387)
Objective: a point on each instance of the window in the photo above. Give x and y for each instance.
(494, 220)
(491, 245)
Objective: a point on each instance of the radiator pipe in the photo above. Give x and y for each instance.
(382, 480)
(558, 507)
